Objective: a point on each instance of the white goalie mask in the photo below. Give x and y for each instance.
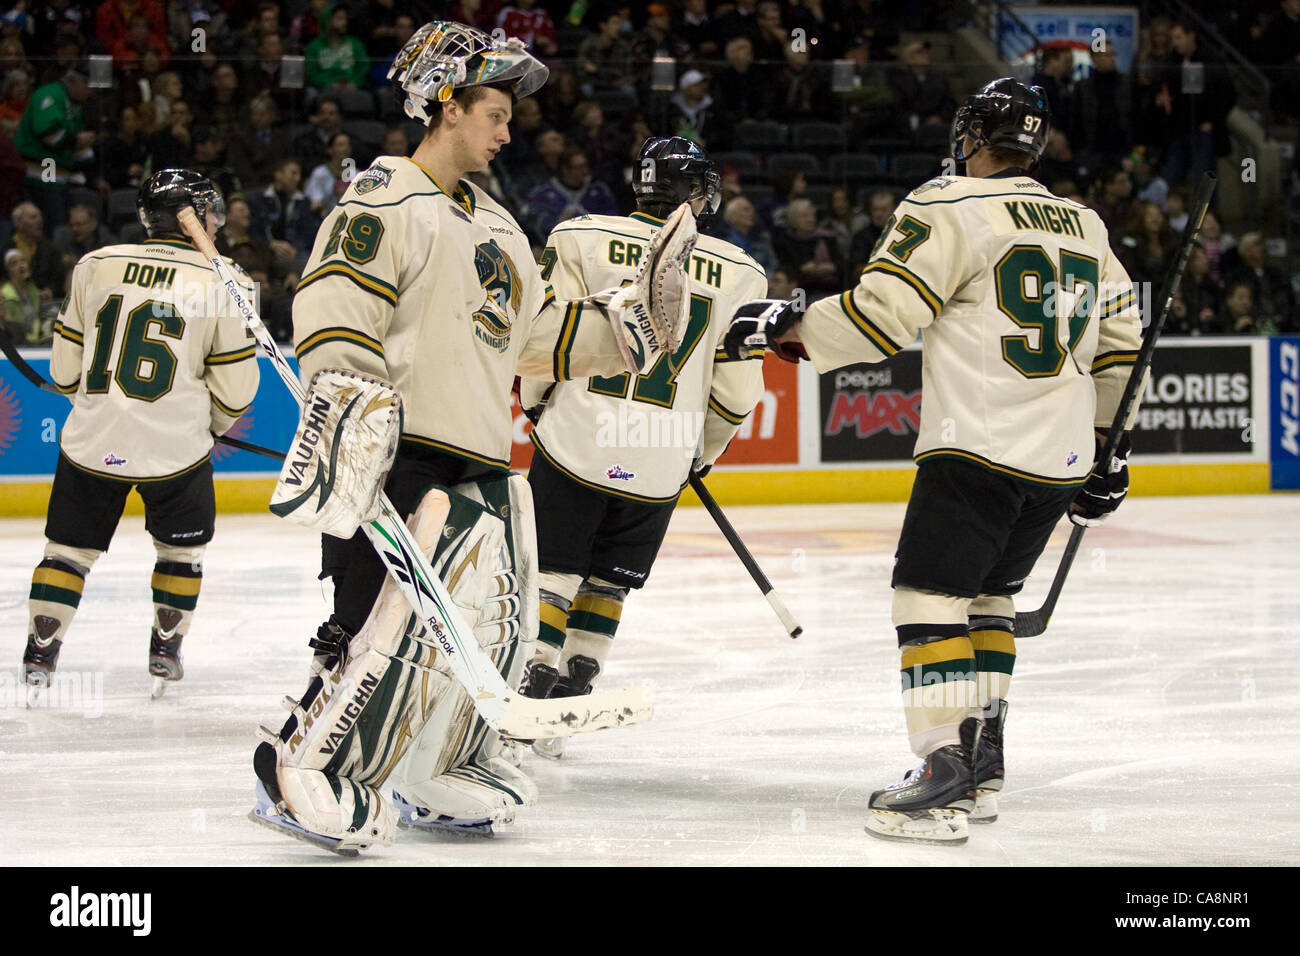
(442, 57)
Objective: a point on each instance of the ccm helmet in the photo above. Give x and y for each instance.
(1005, 113)
(168, 191)
(672, 170)
(442, 57)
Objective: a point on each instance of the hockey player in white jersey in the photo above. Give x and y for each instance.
(1030, 328)
(421, 296)
(155, 363)
(613, 454)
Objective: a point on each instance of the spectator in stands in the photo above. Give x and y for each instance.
(1112, 198)
(328, 181)
(208, 147)
(141, 38)
(238, 232)
(54, 19)
(572, 193)
(336, 60)
(326, 122)
(44, 261)
(82, 233)
(790, 184)
(190, 15)
(113, 21)
(923, 94)
(14, 94)
(12, 169)
(282, 216)
(1240, 315)
(1270, 289)
(1147, 247)
(690, 112)
(52, 128)
(255, 147)
(404, 26)
(780, 284)
(741, 21)
(809, 249)
(865, 18)
(310, 25)
(1197, 94)
(516, 156)
(560, 96)
(1197, 306)
(872, 105)
(14, 57)
(1053, 75)
(22, 303)
(743, 230)
(698, 29)
(1058, 160)
(395, 142)
(1101, 113)
(605, 58)
(880, 206)
(741, 93)
(599, 140)
(265, 21)
(263, 75)
(658, 39)
(221, 105)
(477, 13)
(811, 17)
(773, 40)
(802, 89)
(127, 152)
(1176, 209)
(172, 146)
(535, 27)
(1278, 49)
(843, 221)
(1216, 245)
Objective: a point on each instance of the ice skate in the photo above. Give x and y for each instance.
(164, 661)
(988, 769)
(419, 818)
(930, 805)
(270, 814)
(39, 661)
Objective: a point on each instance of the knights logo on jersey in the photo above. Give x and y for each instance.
(500, 279)
(374, 177)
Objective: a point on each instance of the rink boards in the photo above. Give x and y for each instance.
(1219, 416)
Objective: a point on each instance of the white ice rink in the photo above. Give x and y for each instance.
(1154, 723)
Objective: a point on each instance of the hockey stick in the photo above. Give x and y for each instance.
(497, 703)
(11, 352)
(1033, 623)
(792, 627)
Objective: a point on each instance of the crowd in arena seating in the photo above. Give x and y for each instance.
(821, 114)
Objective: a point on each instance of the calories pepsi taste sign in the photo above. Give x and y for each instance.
(1197, 400)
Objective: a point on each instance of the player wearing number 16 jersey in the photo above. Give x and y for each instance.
(1030, 329)
(155, 362)
(612, 454)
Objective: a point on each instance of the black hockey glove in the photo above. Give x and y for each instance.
(757, 324)
(700, 467)
(1102, 494)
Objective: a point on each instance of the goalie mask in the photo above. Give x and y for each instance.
(672, 170)
(443, 57)
(1005, 113)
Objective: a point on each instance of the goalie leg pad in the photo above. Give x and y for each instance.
(346, 441)
(454, 774)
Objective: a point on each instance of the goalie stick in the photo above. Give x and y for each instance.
(497, 703)
(1033, 623)
(792, 627)
(11, 352)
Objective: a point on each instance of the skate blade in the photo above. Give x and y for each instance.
(35, 694)
(986, 807)
(943, 827)
(265, 815)
(418, 818)
(158, 688)
(551, 748)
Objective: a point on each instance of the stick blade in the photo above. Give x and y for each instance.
(1030, 623)
(528, 719)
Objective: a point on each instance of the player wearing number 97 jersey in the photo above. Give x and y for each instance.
(612, 454)
(1030, 328)
(155, 361)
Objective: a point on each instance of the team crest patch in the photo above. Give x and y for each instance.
(939, 182)
(374, 177)
(619, 473)
(500, 280)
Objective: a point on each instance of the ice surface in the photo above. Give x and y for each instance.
(1154, 723)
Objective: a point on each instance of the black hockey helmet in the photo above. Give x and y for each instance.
(168, 191)
(672, 170)
(1005, 113)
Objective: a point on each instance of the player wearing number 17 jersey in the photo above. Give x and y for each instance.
(612, 454)
(1030, 329)
(155, 362)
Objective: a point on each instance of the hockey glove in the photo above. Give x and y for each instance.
(700, 467)
(757, 324)
(1102, 494)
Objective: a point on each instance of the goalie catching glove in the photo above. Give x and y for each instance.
(756, 326)
(1102, 494)
(649, 316)
(334, 474)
